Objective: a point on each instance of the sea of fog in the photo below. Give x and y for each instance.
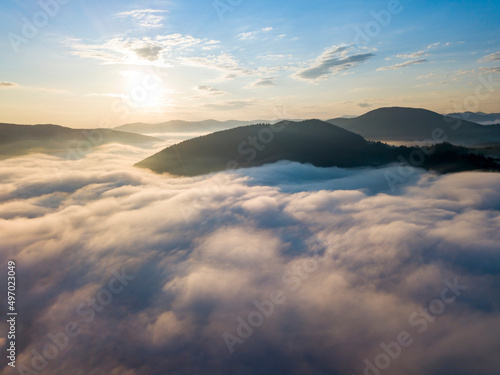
(281, 269)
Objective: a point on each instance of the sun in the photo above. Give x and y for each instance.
(145, 90)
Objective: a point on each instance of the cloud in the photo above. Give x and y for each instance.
(332, 61)
(211, 45)
(246, 36)
(252, 34)
(225, 63)
(5, 84)
(208, 91)
(122, 50)
(353, 261)
(447, 44)
(151, 52)
(422, 53)
(404, 65)
(263, 82)
(146, 18)
(492, 57)
(50, 90)
(364, 105)
(445, 78)
(490, 70)
(275, 56)
(230, 104)
(413, 55)
(429, 76)
(459, 74)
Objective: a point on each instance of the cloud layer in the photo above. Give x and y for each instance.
(352, 261)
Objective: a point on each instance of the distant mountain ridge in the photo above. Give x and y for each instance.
(410, 124)
(181, 126)
(313, 141)
(18, 140)
(478, 117)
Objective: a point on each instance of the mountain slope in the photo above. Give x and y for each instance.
(313, 141)
(18, 140)
(410, 124)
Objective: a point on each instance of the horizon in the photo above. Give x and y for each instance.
(256, 120)
(162, 60)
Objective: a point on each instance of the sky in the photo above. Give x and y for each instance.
(102, 64)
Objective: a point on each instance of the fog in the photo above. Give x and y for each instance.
(281, 269)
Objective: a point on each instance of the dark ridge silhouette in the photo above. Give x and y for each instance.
(313, 141)
(16, 140)
(412, 124)
(447, 158)
(180, 126)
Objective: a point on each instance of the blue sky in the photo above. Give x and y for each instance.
(104, 63)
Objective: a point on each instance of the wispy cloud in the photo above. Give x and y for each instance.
(225, 63)
(263, 82)
(404, 65)
(252, 34)
(331, 61)
(490, 70)
(364, 105)
(230, 104)
(459, 74)
(211, 44)
(49, 90)
(208, 91)
(147, 18)
(275, 56)
(413, 55)
(447, 77)
(493, 57)
(422, 53)
(120, 50)
(7, 85)
(429, 76)
(446, 44)
(246, 36)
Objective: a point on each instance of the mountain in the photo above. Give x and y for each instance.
(411, 124)
(313, 141)
(478, 117)
(18, 140)
(179, 126)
